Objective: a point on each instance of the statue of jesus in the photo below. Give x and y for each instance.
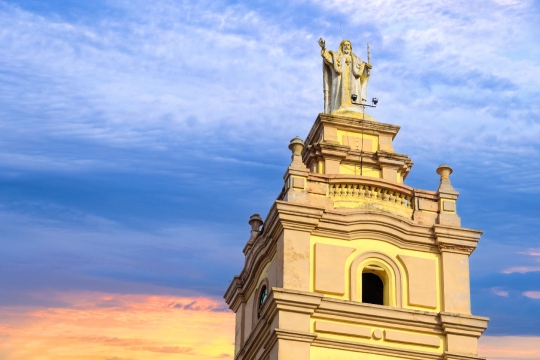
(344, 74)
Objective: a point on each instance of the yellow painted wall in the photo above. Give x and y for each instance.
(374, 139)
(389, 249)
(353, 169)
(379, 342)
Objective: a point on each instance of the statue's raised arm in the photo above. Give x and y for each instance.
(326, 55)
(322, 43)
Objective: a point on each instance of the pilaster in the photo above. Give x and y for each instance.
(455, 245)
(462, 333)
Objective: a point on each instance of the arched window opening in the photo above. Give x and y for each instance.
(262, 299)
(372, 288)
(389, 283)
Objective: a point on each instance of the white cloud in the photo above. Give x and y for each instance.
(456, 77)
(461, 74)
(137, 80)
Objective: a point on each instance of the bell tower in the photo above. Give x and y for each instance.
(351, 263)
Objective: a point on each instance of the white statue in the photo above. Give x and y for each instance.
(344, 75)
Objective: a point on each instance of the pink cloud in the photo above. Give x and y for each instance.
(195, 306)
(500, 292)
(509, 347)
(521, 269)
(531, 252)
(532, 294)
(164, 349)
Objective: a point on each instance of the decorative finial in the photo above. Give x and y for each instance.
(296, 146)
(444, 171)
(445, 186)
(255, 221)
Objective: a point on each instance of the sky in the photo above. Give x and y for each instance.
(137, 137)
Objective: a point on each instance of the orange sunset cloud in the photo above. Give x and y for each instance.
(118, 327)
(94, 326)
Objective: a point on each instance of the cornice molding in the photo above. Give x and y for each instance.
(287, 215)
(455, 356)
(302, 302)
(456, 240)
(404, 233)
(378, 315)
(356, 313)
(351, 124)
(464, 324)
(375, 349)
(467, 250)
(294, 335)
(234, 294)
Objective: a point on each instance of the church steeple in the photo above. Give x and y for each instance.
(352, 263)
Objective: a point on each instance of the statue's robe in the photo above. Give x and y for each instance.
(343, 75)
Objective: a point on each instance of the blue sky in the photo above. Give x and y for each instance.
(136, 138)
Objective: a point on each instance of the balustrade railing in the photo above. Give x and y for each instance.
(376, 193)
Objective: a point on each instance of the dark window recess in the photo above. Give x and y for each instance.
(262, 299)
(372, 289)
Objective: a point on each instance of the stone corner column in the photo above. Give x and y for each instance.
(456, 293)
(462, 334)
(292, 223)
(294, 252)
(297, 173)
(288, 312)
(455, 246)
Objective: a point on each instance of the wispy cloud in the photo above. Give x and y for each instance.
(196, 306)
(141, 82)
(500, 292)
(521, 269)
(452, 55)
(531, 252)
(172, 71)
(532, 294)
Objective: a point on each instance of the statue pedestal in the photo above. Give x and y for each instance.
(353, 111)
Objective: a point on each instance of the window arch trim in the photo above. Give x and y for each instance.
(397, 276)
(264, 282)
